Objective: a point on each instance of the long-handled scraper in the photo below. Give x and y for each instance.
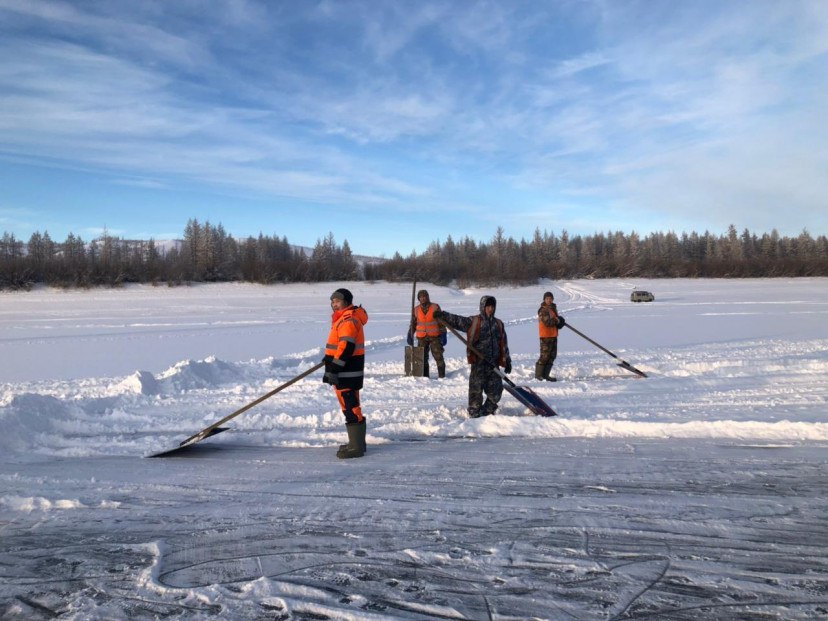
(524, 394)
(217, 426)
(623, 364)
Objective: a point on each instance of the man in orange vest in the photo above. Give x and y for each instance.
(487, 334)
(548, 323)
(345, 366)
(430, 335)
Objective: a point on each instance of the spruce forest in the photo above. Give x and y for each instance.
(207, 253)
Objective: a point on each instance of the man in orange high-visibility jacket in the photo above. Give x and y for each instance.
(430, 334)
(345, 367)
(548, 323)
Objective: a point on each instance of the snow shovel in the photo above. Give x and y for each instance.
(217, 428)
(414, 354)
(623, 364)
(524, 394)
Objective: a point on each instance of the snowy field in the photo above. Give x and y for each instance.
(700, 492)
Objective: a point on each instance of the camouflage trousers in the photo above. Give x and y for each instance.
(433, 343)
(548, 351)
(484, 379)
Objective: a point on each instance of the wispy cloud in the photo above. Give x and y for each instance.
(698, 112)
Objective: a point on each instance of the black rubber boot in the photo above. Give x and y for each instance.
(488, 408)
(356, 441)
(546, 374)
(441, 371)
(342, 447)
(540, 371)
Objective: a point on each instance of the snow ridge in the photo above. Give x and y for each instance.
(691, 393)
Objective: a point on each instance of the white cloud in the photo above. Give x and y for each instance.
(656, 107)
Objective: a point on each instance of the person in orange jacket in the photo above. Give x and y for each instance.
(548, 324)
(345, 367)
(430, 334)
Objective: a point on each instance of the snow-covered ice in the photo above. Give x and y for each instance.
(696, 493)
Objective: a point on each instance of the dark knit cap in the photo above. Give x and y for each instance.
(548, 294)
(344, 295)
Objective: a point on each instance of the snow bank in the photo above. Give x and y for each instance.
(196, 374)
(141, 383)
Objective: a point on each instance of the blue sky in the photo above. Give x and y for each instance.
(396, 123)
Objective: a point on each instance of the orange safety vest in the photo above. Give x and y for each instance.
(548, 315)
(426, 323)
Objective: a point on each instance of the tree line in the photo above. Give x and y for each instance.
(612, 255)
(207, 253)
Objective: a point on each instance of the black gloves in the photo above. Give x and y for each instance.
(443, 338)
(508, 367)
(439, 314)
(561, 322)
(331, 373)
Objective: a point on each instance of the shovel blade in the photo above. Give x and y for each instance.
(531, 400)
(631, 368)
(188, 443)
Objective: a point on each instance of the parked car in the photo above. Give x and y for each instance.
(641, 296)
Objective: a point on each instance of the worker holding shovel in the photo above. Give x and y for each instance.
(487, 337)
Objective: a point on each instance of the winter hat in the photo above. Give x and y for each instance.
(487, 300)
(548, 294)
(344, 295)
(423, 292)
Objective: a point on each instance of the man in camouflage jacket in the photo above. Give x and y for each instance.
(548, 324)
(487, 335)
